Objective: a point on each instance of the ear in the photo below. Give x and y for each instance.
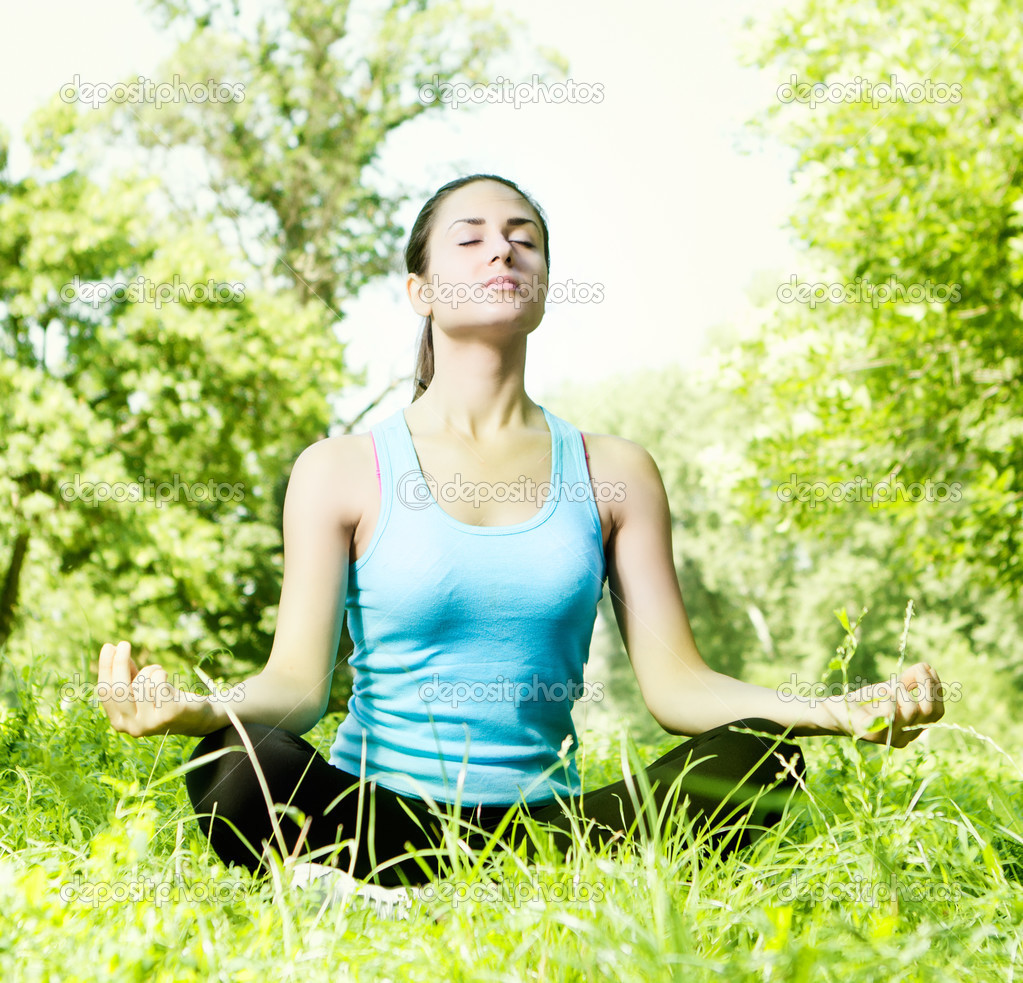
(417, 288)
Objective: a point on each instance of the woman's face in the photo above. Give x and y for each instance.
(502, 237)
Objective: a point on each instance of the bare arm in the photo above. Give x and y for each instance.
(681, 691)
(293, 689)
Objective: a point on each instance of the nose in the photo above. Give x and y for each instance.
(504, 250)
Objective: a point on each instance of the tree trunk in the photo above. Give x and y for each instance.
(9, 594)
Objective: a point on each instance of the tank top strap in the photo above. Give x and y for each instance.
(573, 467)
(396, 457)
(393, 458)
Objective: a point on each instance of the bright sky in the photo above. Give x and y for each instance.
(646, 192)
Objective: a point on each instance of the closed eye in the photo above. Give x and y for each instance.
(517, 241)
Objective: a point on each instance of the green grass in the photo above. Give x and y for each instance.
(941, 821)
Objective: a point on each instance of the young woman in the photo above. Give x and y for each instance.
(469, 536)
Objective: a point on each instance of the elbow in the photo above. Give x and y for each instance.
(680, 708)
(300, 724)
(677, 729)
(670, 718)
(670, 728)
(313, 716)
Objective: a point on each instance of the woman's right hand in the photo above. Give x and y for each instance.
(142, 702)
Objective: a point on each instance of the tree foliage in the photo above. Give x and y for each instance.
(921, 192)
(263, 214)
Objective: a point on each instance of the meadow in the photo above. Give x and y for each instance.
(897, 865)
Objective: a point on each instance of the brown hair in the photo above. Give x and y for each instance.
(417, 260)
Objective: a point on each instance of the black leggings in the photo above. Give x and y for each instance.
(738, 779)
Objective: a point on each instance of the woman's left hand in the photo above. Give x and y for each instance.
(917, 698)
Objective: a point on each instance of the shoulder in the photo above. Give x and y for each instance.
(619, 456)
(626, 469)
(334, 470)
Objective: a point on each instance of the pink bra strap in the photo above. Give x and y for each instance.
(377, 459)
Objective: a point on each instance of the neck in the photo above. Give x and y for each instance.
(478, 393)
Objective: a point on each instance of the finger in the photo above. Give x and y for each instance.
(122, 673)
(164, 692)
(114, 661)
(911, 702)
(151, 686)
(106, 657)
(142, 686)
(104, 677)
(938, 691)
(132, 668)
(915, 681)
(923, 704)
(901, 736)
(123, 667)
(114, 689)
(930, 700)
(898, 712)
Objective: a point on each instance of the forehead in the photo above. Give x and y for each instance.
(482, 198)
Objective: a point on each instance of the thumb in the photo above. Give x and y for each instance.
(149, 683)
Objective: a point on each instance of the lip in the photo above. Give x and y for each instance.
(503, 280)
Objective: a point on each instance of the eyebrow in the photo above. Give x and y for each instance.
(482, 221)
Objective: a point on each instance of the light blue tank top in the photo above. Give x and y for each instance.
(470, 641)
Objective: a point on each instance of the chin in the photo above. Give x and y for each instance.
(524, 318)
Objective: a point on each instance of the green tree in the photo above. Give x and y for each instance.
(225, 389)
(923, 193)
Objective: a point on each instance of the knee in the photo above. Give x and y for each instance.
(228, 736)
(760, 724)
(768, 757)
(221, 776)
